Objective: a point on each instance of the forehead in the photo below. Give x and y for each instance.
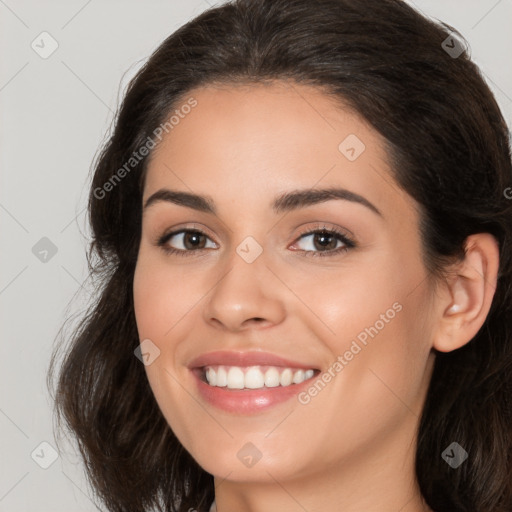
(244, 142)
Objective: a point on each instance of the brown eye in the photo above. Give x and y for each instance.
(194, 240)
(185, 241)
(324, 241)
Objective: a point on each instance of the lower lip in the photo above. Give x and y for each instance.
(248, 401)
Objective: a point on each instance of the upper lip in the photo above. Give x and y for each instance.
(230, 358)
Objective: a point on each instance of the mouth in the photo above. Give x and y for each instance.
(253, 377)
(249, 382)
(246, 391)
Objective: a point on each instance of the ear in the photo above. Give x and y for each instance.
(468, 293)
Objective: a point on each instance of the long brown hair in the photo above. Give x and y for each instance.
(450, 149)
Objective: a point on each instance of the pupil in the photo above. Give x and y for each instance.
(324, 237)
(195, 236)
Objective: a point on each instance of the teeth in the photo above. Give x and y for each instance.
(255, 377)
(271, 378)
(235, 378)
(286, 377)
(222, 377)
(298, 377)
(211, 377)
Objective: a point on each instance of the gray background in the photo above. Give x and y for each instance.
(55, 114)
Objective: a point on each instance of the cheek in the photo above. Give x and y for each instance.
(164, 302)
(338, 304)
(163, 296)
(376, 318)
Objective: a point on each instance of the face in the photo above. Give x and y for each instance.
(268, 267)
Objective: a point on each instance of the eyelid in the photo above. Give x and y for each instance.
(342, 234)
(194, 226)
(325, 226)
(338, 233)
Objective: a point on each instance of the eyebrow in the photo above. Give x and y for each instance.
(284, 203)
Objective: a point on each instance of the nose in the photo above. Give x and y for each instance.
(246, 295)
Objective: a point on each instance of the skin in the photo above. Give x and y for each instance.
(352, 446)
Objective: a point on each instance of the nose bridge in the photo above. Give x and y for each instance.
(245, 291)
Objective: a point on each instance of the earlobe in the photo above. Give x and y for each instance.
(469, 293)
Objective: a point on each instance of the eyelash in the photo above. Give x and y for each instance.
(348, 243)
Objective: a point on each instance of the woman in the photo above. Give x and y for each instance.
(302, 231)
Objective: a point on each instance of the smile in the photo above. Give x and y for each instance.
(250, 390)
(254, 377)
